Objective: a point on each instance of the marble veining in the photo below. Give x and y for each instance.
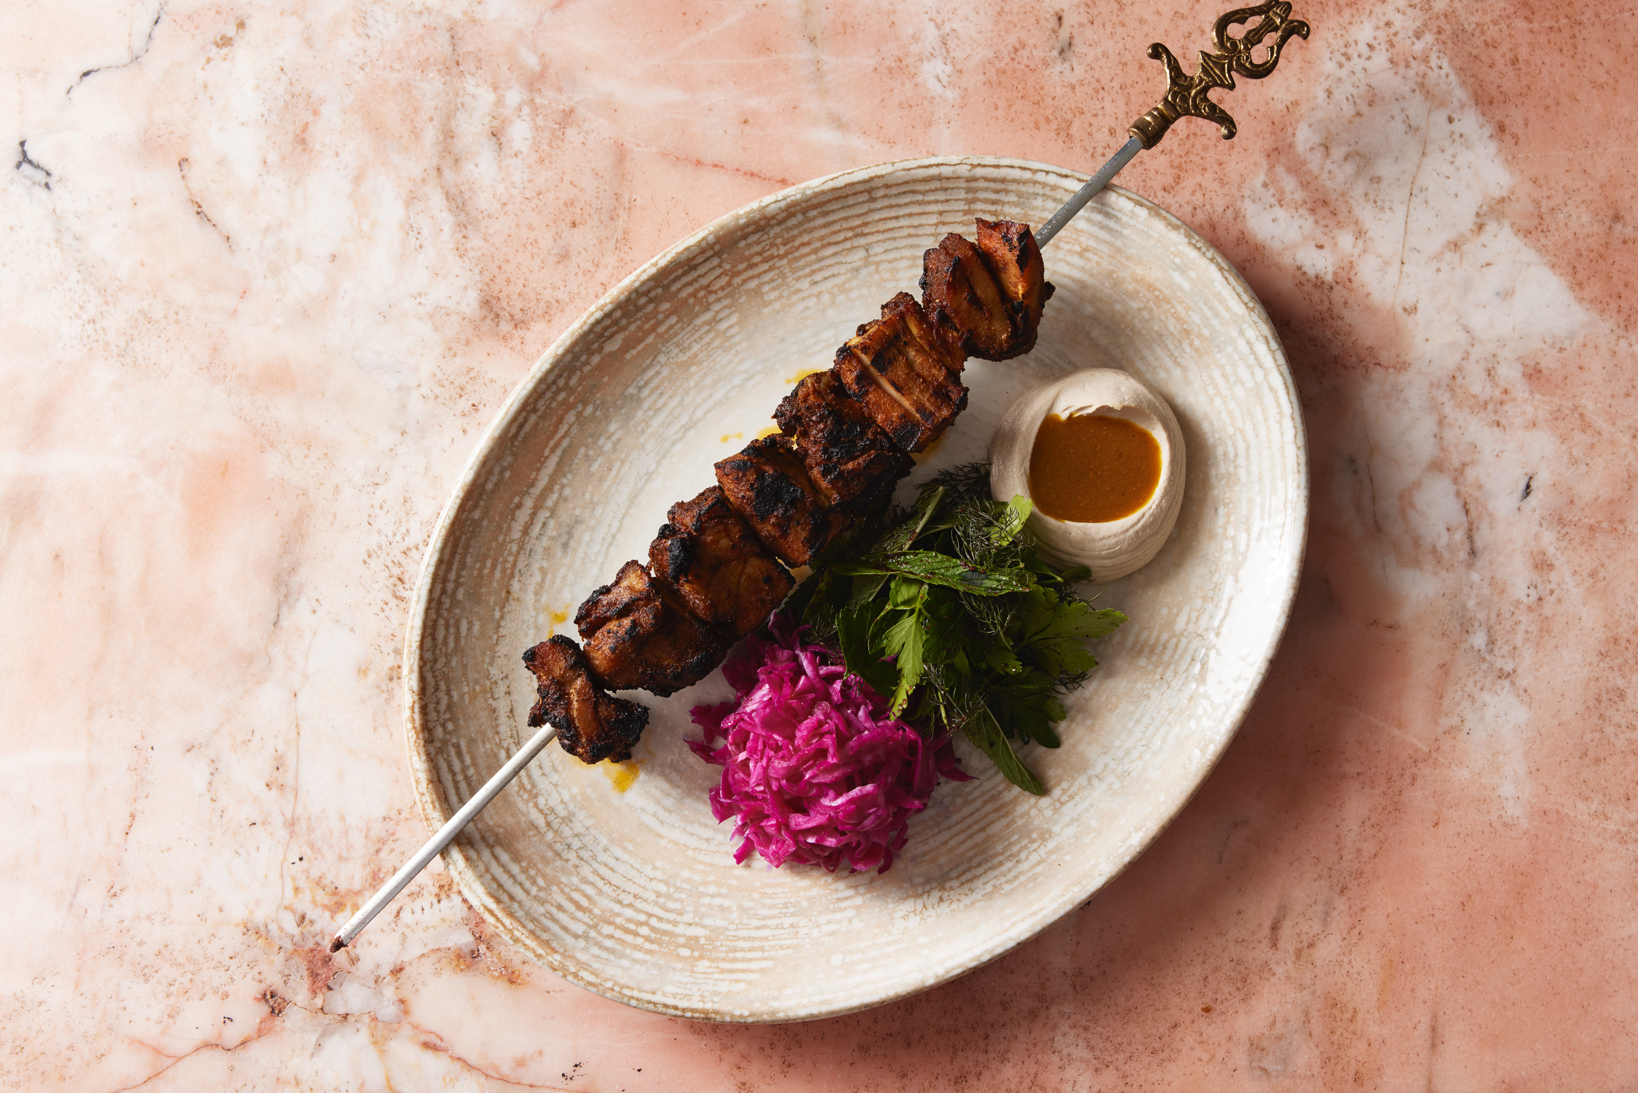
(268, 271)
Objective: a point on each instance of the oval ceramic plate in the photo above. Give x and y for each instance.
(635, 895)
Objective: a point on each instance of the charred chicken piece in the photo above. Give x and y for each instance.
(849, 460)
(718, 566)
(592, 724)
(638, 633)
(989, 296)
(961, 295)
(905, 373)
(769, 487)
(1014, 258)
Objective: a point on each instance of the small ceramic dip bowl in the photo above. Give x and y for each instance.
(1110, 548)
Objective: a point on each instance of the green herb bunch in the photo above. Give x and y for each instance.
(950, 611)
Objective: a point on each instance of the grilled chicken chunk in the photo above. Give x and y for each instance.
(961, 295)
(769, 487)
(638, 633)
(905, 373)
(988, 296)
(592, 724)
(719, 567)
(1010, 250)
(849, 460)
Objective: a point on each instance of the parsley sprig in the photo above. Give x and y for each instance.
(949, 609)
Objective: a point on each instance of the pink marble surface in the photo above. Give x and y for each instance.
(268, 270)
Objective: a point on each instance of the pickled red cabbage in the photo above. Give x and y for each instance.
(813, 769)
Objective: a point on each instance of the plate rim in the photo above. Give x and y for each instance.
(434, 808)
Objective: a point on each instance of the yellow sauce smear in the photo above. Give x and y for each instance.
(1089, 469)
(620, 775)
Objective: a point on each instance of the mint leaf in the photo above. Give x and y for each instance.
(900, 537)
(940, 569)
(986, 735)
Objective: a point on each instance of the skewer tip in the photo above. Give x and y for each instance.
(337, 945)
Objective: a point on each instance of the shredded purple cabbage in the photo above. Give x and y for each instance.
(813, 769)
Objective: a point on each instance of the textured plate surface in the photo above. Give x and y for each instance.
(635, 895)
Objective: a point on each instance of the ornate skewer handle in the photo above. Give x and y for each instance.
(1186, 95)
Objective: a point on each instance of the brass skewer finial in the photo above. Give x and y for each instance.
(1186, 95)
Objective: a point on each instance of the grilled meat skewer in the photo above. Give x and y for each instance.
(846, 438)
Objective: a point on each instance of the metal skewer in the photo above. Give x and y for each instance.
(1088, 192)
(1185, 97)
(443, 838)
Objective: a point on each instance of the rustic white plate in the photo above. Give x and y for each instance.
(635, 895)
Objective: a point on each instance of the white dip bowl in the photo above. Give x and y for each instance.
(1113, 548)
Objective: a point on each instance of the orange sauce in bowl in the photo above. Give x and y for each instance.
(1090, 469)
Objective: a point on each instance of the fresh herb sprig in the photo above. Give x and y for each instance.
(949, 609)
